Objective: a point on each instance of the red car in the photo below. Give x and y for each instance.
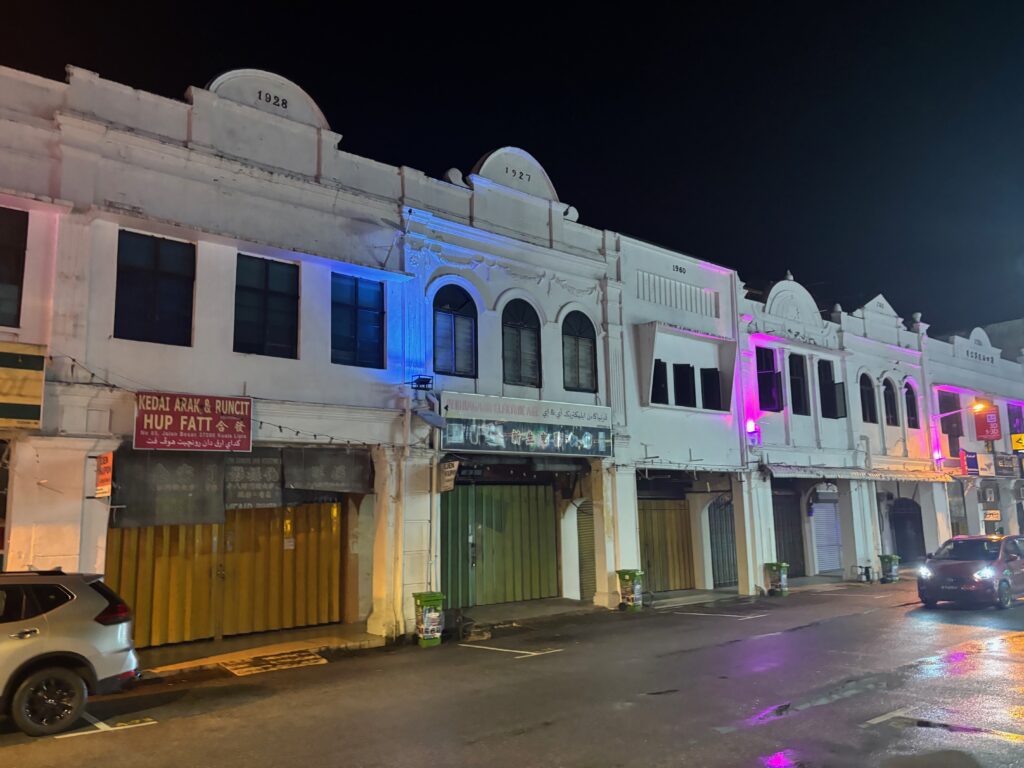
(982, 570)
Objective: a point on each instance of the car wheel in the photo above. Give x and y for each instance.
(929, 603)
(48, 701)
(1005, 598)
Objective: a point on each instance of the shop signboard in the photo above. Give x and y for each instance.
(968, 462)
(489, 424)
(167, 421)
(1006, 465)
(328, 470)
(253, 480)
(447, 471)
(986, 465)
(986, 424)
(104, 474)
(993, 516)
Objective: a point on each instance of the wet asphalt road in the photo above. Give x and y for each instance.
(860, 676)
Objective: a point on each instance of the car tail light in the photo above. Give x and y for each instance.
(115, 613)
(117, 610)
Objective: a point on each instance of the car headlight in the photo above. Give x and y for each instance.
(985, 574)
(924, 572)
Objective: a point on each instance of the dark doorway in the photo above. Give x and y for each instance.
(789, 533)
(907, 529)
(723, 542)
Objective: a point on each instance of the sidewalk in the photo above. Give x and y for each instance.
(175, 660)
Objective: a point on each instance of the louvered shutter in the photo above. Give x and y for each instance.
(443, 362)
(465, 345)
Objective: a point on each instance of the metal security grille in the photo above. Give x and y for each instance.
(263, 569)
(499, 544)
(585, 536)
(723, 542)
(665, 544)
(828, 542)
(789, 536)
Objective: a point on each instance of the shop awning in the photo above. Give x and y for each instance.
(855, 473)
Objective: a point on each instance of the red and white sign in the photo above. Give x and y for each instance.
(986, 424)
(178, 422)
(104, 474)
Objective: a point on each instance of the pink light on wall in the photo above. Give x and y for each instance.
(751, 426)
(714, 268)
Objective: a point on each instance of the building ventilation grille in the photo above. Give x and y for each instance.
(677, 295)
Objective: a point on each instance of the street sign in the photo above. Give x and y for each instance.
(1017, 442)
(446, 473)
(104, 474)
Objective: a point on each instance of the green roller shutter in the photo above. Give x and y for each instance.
(585, 536)
(499, 544)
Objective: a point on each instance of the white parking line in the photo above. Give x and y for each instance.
(520, 654)
(848, 594)
(102, 727)
(737, 616)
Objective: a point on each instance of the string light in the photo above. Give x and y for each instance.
(93, 377)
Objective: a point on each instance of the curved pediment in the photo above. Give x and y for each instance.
(791, 301)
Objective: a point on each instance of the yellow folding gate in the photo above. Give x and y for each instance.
(666, 547)
(263, 569)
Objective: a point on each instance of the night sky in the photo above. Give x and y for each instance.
(867, 147)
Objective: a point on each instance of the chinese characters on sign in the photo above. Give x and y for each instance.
(171, 422)
(510, 425)
(253, 481)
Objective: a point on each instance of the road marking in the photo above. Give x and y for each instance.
(833, 594)
(886, 716)
(273, 662)
(737, 616)
(520, 654)
(102, 727)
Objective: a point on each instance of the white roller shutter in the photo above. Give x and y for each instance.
(827, 538)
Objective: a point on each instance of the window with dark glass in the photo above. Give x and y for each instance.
(1015, 415)
(891, 403)
(357, 321)
(950, 420)
(711, 395)
(13, 244)
(833, 393)
(520, 337)
(659, 383)
(910, 395)
(684, 385)
(579, 353)
(868, 403)
(155, 287)
(769, 380)
(266, 307)
(798, 394)
(454, 332)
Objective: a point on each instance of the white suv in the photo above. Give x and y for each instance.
(62, 637)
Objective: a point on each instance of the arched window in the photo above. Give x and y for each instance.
(520, 343)
(892, 409)
(579, 353)
(913, 422)
(868, 405)
(454, 332)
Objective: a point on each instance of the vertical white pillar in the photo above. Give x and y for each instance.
(934, 514)
(755, 529)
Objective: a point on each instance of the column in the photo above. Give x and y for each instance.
(384, 618)
(51, 518)
(421, 513)
(755, 529)
(972, 507)
(598, 489)
(934, 514)
(858, 517)
(700, 537)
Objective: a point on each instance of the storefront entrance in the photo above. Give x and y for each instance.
(262, 569)
(666, 549)
(907, 529)
(499, 544)
(723, 542)
(789, 535)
